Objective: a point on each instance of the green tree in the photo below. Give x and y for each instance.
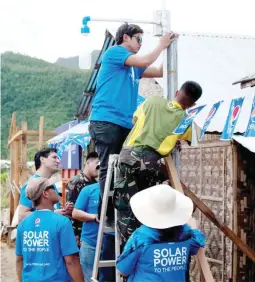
(34, 88)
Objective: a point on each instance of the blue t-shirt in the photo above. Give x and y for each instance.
(116, 93)
(24, 199)
(87, 201)
(145, 260)
(43, 239)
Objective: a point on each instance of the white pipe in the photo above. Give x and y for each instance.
(125, 20)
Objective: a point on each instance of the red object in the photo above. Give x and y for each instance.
(67, 174)
(235, 112)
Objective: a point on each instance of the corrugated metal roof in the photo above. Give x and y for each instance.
(247, 142)
(248, 81)
(245, 79)
(85, 104)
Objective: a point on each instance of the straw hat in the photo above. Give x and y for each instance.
(161, 207)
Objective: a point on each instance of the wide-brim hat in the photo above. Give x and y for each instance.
(161, 207)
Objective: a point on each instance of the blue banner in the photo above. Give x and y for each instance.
(233, 115)
(250, 131)
(209, 118)
(187, 120)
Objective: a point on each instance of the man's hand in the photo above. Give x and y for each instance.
(167, 39)
(68, 208)
(97, 219)
(78, 241)
(178, 146)
(19, 267)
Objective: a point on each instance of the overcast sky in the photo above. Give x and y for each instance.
(50, 29)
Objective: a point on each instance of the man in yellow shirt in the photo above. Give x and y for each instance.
(150, 139)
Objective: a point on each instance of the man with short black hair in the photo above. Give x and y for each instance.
(150, 139)
(85, 210)
(115, 99)
(86, 177)
(46, 164)
(46, 248)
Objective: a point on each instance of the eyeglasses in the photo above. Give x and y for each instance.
(49, 187)
(139, 39)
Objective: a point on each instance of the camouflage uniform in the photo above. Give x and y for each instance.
(138, 169)
(74, 187)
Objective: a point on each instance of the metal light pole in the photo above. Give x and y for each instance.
(170, 77)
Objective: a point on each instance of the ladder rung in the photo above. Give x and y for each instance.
(109, 229)
(106, 263)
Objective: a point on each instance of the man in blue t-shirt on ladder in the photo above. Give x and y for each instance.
(115, 99)
(46, 247)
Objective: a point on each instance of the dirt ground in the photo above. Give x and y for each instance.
(8, 268)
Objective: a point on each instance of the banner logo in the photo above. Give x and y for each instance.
(250, 130)
(187, 120)
(209, 118)
(191, 115)
(233, 115)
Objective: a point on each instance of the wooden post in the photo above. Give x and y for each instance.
(41, 122)
(176, 183)
(11, 197)
(12, 132)
(23, 175)
(16, 166)
(15, 172)
(13, 125)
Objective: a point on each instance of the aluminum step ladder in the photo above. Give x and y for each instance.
(112, 168)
